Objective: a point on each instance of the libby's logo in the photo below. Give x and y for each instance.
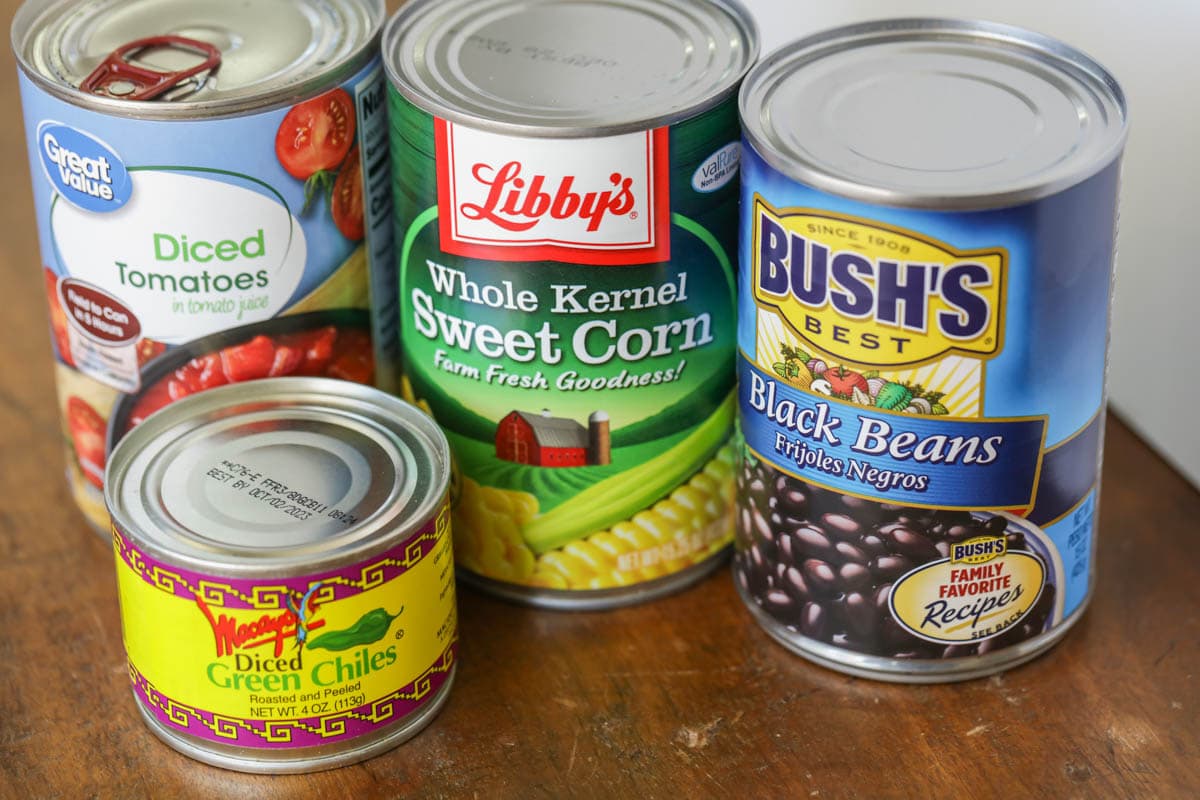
(231, 634)
(517, 202)
(593, 201)
(875, 295)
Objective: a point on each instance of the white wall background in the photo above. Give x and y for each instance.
(1153, 48)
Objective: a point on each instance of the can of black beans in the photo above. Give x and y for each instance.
(928, 221)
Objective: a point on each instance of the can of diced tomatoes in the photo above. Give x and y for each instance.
(211, 188)
(565, 184)
(285, 572)
(928, 222)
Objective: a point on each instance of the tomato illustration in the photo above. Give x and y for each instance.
(248, 361)
(346, 203)
(844, 381)
(152, 399)
(326, 351)
(318, 349)
(287, 359)
(210, 371)
(183, 382)
(148, 349)
(353, 359)
(86, 427)
(315, 135)
(58, 318)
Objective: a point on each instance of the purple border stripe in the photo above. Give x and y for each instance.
(272, 593)
(340, 726)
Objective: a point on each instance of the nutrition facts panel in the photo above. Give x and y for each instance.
(370, 100)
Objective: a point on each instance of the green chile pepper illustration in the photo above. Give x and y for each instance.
(370, 628)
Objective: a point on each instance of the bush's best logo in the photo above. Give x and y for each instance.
(979, 550)
(592, 201)
(872, 294)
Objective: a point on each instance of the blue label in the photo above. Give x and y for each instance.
(83, 169)
(921, 395)
(899, 458)
(180, 254)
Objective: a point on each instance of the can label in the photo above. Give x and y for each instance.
(921, 461)
(539, 202)
(291, 662)
(180, 255)
(567, 314)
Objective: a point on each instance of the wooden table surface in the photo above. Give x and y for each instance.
(684, 697)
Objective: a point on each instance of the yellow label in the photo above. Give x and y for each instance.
(875, 295)
(293, 662)
(961, 602)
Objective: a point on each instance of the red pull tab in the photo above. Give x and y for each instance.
(118, 78)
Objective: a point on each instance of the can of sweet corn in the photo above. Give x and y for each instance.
(565, 187)
(928, 212)
(285, 573)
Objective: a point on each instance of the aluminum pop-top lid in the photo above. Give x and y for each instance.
(568, 67)
(277, 477)
(271, 50)
(933, 113)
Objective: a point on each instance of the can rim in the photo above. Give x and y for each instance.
(29, 16)
(375, 534)
(1085, 69)
(440, 106)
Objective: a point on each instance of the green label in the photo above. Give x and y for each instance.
(567, 315)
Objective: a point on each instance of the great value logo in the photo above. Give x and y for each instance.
(82, 169)
(874, 295)
(591, 201)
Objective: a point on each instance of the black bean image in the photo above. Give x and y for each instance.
(823, 564)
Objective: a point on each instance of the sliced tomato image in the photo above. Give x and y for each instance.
(209, 370)
(346, 204)
(317, 346)
(287, 359)
(248, 361)
(183, 382)
(353, 359)
(87, 430)
(152, 399)
(328, 351)
(58, 318)
(148, 349)
(316, 135)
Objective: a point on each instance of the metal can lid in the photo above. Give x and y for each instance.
(272, 51)
(567, 68)
(277, 477)
(933, 113)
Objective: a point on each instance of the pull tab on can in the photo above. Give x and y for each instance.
(119, 78)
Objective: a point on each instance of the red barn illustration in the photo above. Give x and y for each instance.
(543, 440)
